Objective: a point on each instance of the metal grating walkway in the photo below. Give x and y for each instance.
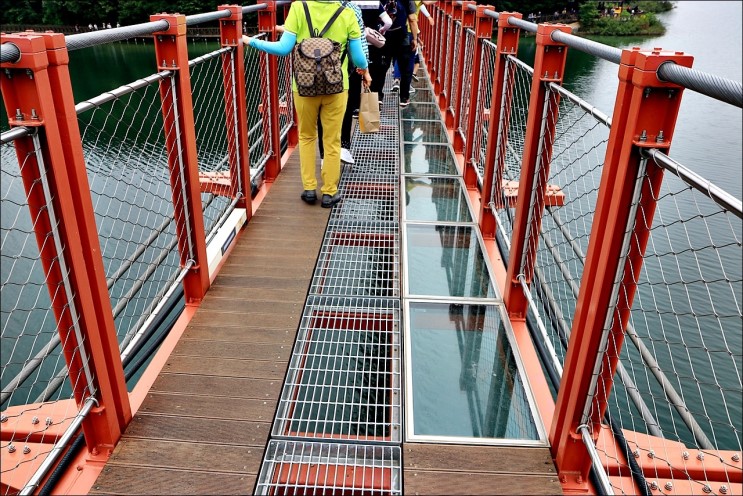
(338, 422)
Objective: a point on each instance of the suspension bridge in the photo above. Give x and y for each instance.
(518, 294)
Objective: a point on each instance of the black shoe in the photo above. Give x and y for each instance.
(309, 196)
(328, 201)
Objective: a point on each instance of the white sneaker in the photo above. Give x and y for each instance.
(346, 156)
(412, 90)
(396, 85)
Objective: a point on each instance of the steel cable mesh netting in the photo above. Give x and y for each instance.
(286, 97)
(511, 133)
(484, 107)
(685, 325)
(212, 75)
(578, 149)
(124, 144)
(256, 93)
(463, 102)
(445, 65)
(30, 343)
(452, 81)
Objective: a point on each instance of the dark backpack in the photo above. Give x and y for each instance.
(317, 61)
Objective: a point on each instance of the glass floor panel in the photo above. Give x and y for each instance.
(422, 111)
(429, 159)
(435, 199)
(427, 131)
(465, 381)
(421, 95)
(446, 261)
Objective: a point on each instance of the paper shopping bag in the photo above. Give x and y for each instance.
(369, 111)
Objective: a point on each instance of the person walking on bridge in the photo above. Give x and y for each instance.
(327, 19)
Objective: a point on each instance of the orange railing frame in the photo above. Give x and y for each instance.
(495, 152)
(233, 77)
(271, 125)
(646, 110)
(483, 32)
(549, 67)
(171, 51)
(38, 95)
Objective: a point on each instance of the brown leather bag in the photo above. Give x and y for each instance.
(317, 61)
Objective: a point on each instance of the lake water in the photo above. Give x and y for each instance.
(706, 128)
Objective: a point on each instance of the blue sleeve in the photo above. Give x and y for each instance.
(282, 47)
(357, 54)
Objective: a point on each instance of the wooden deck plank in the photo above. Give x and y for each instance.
(229, 432)
(122, 479)
(443, 482)
(470, 469)
(235, 387)
(225, 367)
(204, 424)
(214, 349)
(209, 407)
(187, 455)
(252, 333)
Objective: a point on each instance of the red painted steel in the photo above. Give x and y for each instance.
(453, 116)
(171, 51)
(466, 18)
(271, 126)
(447, 56)
(648, 108)
(502, 91)
(39, 95)
(233, 76)
(549, 66)
(483, 32)
(431, 55)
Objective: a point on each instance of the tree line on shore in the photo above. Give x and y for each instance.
(102, 13)
(126, 12)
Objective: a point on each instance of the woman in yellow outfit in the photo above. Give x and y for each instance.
(330, 108)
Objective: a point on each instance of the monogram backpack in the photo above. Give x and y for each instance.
(317, 61)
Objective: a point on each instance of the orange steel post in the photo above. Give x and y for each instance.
(467, 19)
(500, 113)
(648, 109)
(38, 94)
(171, 51)
(483, 32)
(292, 137)
(233, 76)
(549, 66)
(447, 72)
(271, 126)
(432, 42)
(443, 43)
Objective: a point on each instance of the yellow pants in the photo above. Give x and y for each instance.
(330, 108)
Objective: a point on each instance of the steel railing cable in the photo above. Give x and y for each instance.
(93, 38)
(719, 88)
(715, 193)
(9, 52)
(195, 19)
(594, 48)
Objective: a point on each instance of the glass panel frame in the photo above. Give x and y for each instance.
(409, 411)
(475, 242)
(415, 204)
